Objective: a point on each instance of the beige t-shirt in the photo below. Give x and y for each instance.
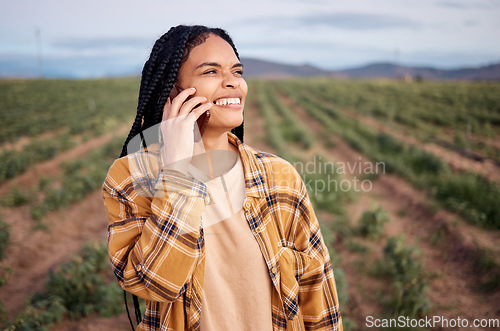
(237, 286)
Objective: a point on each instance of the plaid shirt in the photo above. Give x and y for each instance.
(156, 241)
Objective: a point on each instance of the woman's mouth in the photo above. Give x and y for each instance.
(227, 101)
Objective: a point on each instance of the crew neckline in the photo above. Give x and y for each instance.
(232, 173)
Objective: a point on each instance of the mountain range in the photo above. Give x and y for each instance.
(267, 69)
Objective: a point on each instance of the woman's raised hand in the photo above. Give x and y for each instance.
(178, 121)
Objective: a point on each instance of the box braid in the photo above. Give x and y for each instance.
(160, 72)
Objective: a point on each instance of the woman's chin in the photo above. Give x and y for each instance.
(225, 124)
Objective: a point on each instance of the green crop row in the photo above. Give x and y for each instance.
(444, 104)
(371, 223)
(409, 282)
(271, 124)
(16, 162)
(81, 177)
(467, 193)
(4, 238)
(4, 243)
(75, 289)
(423, 110)
(31, 107)
(291, 127)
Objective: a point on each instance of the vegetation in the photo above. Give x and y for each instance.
(4, 242)
(402, 266)
(4, 237)
(76, 106)
(16, 162)
(371, 223)
(81, 177)
(425, 109)
(470, 194)
(78, 288)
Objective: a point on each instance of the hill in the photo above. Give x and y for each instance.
(267, 69)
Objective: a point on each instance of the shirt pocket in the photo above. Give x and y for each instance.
(293, 264)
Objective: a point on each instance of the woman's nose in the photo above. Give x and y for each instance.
(230, 81)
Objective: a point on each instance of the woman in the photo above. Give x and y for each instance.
(213, 234)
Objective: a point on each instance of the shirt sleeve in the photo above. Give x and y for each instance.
(154, 242)
(310, 261)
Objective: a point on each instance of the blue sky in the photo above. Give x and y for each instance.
(98, 37)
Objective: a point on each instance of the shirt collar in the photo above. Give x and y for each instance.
(255, 173)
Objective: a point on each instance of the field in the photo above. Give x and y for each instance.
(404, 177)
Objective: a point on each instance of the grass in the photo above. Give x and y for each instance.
(75, 289)
(371, 223)
(4, 271)
(409, 283)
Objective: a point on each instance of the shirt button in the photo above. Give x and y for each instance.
(273, 270)
(247, 205)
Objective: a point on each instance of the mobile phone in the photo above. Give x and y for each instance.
(202, 120)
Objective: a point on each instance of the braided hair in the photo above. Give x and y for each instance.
(160, 72)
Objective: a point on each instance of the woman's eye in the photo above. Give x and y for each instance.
(211, 71)
(239, 72)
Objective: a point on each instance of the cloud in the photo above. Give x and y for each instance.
(86, 44)
(343, 21)
(359, 21)
(471, 23)
(452, 4)
(466, 5)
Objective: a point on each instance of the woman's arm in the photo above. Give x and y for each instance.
(154, 243)
(306, 262)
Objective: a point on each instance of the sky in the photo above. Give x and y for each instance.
(95, 38)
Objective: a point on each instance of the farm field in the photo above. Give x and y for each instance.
(405, 179)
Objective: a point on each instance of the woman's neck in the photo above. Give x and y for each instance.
(217, 142)
(218, 157)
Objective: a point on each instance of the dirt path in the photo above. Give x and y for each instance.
(51, 167)
(95, 323)
(25, 140)
(451, 261)
(32, 254)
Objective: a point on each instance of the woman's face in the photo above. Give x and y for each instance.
(214, 70)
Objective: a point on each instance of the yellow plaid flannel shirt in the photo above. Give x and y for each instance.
(156, 258)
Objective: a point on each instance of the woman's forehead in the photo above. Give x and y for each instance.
(214, 49)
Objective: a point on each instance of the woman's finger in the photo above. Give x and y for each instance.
(198, 111)
(166, 109)
(179, 100)
(190, 104)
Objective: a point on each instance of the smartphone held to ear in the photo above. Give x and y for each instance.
(202, 120)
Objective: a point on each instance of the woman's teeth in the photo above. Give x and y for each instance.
(228, 101)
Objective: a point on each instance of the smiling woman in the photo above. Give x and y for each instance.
(212, 233)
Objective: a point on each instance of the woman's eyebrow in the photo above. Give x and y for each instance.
(215, 64)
